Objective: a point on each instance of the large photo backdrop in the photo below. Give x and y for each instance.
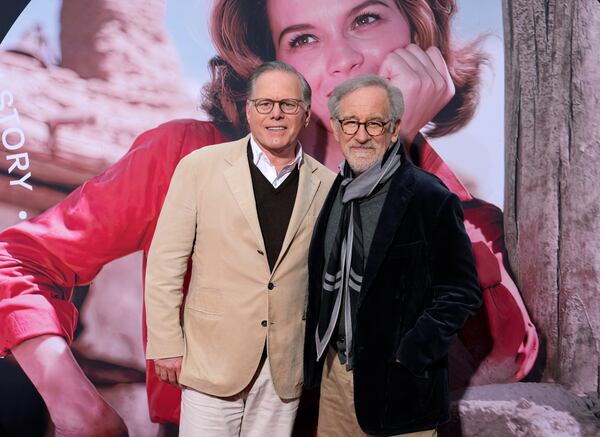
(81, 80)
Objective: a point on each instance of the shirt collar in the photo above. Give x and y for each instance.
(258, 155)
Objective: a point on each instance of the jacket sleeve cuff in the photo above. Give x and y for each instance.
(165, 349)
(32, 315)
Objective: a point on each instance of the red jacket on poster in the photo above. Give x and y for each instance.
(115, 214)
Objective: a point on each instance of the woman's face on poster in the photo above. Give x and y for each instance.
(329, 41)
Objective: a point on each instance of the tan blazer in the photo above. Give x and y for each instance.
(231, 310)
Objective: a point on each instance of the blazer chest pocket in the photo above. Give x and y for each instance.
(404, 250)
(206, 302)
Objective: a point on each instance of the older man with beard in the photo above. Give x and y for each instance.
(391, 278)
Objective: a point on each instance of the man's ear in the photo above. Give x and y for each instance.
(248, 103)
(395, 134)
(308, 114)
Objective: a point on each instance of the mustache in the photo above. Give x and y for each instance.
(368, 145)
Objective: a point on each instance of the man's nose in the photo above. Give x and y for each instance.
(362, 136)
(276, 112)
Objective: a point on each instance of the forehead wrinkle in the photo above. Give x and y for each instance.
(368, 98)
(367, 113)
(274, 88)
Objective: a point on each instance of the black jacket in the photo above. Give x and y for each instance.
(419, 288)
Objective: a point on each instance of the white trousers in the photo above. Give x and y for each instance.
(257, 411)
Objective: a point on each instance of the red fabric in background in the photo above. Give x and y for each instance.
(501, 336)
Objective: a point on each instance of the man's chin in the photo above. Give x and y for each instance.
(279, 144)
(358, 166)
(274, 140)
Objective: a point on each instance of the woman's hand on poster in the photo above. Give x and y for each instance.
(425, 82)
(167, 369)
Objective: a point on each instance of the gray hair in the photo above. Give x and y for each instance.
(279, 66)
(394, 95)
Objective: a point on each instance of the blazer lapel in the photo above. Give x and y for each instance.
(395, 205)
(308, 184)
(240, 183)
(316, 256)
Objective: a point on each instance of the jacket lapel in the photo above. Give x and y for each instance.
(240, 183)
(393, 211)
(308, 184)
(316, 256)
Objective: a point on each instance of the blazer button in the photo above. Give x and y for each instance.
(263, 323)
(271, 286)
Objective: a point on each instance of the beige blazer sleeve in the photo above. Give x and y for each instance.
(168, 256)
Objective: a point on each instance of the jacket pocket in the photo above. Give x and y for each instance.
(206, 302)
(406, 395)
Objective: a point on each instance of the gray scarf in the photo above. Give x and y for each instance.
(346, 263)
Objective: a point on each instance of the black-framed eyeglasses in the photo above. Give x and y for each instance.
(287, 106)
(373, 127)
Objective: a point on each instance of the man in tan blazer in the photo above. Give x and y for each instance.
(244, 211)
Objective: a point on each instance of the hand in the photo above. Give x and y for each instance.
(425, 82)
(75, 406)
(167, 369)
